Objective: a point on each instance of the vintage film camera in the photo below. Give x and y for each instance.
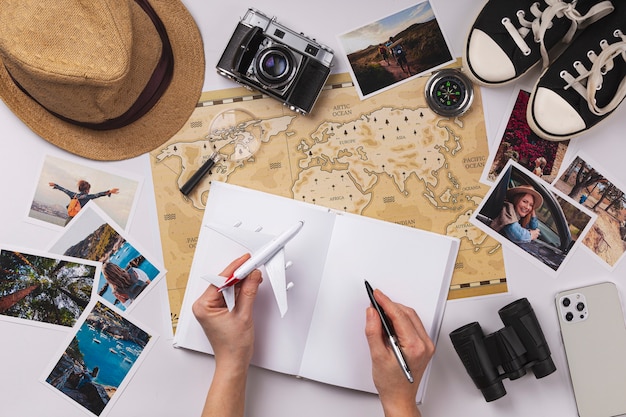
(266, 56)
(518, 345)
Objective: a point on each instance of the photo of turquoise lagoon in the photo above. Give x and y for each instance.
(44, 289)
(126, 270)
(98, 359)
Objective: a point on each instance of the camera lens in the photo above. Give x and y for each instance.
(580, 306)
(275, 66)
(569, 316)
(566, 302)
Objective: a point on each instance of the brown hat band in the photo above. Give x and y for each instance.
(149, 96)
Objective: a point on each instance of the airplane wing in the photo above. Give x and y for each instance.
(275, 269)
(228, 292)
(251, 240)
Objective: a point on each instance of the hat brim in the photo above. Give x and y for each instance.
(538, 198)
(157, 126)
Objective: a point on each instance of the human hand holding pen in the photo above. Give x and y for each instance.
(231, 334)
(397, 394)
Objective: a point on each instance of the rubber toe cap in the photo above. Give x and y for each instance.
(555, 116)
(487, 60)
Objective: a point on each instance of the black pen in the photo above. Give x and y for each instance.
(393, 340)
(199, 174)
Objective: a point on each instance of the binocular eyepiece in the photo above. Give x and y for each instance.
(505, 353)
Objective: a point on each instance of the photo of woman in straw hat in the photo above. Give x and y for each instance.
(518, 218)
(524, 212)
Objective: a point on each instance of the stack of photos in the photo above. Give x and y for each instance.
(559, 224)
(45, 290)
(582, 204)
(85, 284)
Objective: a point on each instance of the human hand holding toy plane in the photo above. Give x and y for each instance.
(266, 250)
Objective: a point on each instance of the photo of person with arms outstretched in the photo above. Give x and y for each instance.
(80, 198)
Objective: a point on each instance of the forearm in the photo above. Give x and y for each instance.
(100, 194)
(71, 194)
(517, 233)
(226, 396)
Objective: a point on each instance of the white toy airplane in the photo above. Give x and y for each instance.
(265, 250)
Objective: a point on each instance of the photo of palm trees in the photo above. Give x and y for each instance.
(45, 288)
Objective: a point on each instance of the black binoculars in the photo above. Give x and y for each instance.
(505, 353)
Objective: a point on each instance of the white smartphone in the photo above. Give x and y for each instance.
(594, 336)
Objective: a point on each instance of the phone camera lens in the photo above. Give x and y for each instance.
(566, 302)
(569, 316)
(580, 306)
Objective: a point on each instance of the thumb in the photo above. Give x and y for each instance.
(248, 291)
(374, 332)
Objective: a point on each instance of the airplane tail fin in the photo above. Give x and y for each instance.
(228, 292)
(229, 297)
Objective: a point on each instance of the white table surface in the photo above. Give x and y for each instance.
(174, 382)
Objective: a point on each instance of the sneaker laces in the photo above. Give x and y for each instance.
(588, 82)
(542, 21)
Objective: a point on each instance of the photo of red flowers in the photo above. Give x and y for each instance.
(520, 144)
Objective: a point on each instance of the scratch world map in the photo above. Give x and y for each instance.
(388, 157)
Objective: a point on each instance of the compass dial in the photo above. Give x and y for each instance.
(449, 92)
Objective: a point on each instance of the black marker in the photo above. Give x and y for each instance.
(393, 340)
(199, 174)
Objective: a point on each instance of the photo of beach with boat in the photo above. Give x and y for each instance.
(98, 359)
(127, 271)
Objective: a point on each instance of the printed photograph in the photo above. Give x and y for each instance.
(529, 215)
(127, 271)
(64, 187)
(98, 360)
(395, 48)
(44, 288)
(517, 142)
(585, 182)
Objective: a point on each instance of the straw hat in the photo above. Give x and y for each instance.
(525, 189)
(104, 79)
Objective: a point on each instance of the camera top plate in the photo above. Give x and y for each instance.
(283, 34)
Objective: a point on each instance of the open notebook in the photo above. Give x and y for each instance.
(322, 335)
